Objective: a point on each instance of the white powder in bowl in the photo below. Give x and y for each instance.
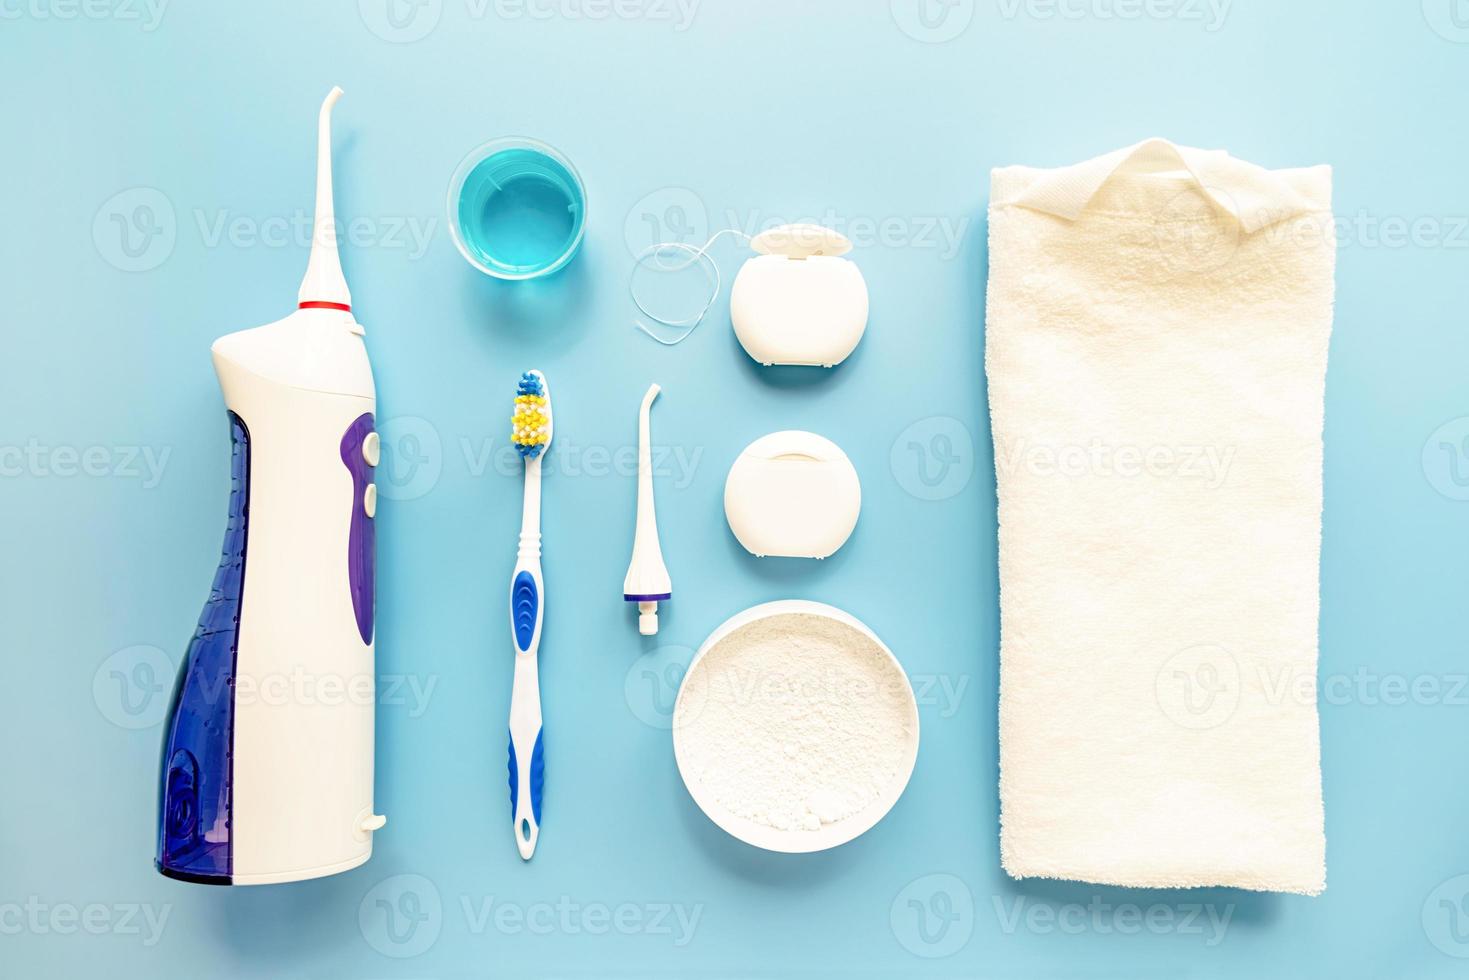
(794, 721)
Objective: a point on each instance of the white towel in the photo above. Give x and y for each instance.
(1156, 344)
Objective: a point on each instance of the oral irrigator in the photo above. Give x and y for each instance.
(267, 766)
(647, 581)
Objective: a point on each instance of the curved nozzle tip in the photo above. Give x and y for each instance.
(653, 391)
(331, 98)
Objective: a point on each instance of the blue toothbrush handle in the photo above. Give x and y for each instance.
(526, 761)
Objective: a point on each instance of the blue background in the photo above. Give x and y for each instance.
(770, 112)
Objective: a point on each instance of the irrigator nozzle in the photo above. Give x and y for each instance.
(647, 581)
(324, 284)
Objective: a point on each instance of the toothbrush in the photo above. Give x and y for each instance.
(531, 434)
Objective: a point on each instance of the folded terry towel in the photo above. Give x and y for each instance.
(1156, 344)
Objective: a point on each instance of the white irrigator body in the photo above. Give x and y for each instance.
(268, 756)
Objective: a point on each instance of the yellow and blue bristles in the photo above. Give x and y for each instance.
(530, 426)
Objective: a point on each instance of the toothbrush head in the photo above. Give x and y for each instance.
(530, 426)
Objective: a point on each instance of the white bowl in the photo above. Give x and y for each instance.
(829, 834)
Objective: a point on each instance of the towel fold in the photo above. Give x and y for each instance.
(1156, 339)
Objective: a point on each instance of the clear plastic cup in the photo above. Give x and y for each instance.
(517, 208)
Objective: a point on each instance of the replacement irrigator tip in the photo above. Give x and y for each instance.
(647, 581)
(324, 286)
(530, 426)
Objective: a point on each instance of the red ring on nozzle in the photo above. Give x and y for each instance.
(322, 305)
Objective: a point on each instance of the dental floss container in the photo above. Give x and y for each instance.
(792, 495)
(267, 765)
(647, 582)
(798, 301)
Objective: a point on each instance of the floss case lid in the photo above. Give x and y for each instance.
(798, 301)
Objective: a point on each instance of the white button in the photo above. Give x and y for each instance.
(369, 500)
(371, 448)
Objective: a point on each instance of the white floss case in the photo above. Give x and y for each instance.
(792, 495)
(798, 301)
